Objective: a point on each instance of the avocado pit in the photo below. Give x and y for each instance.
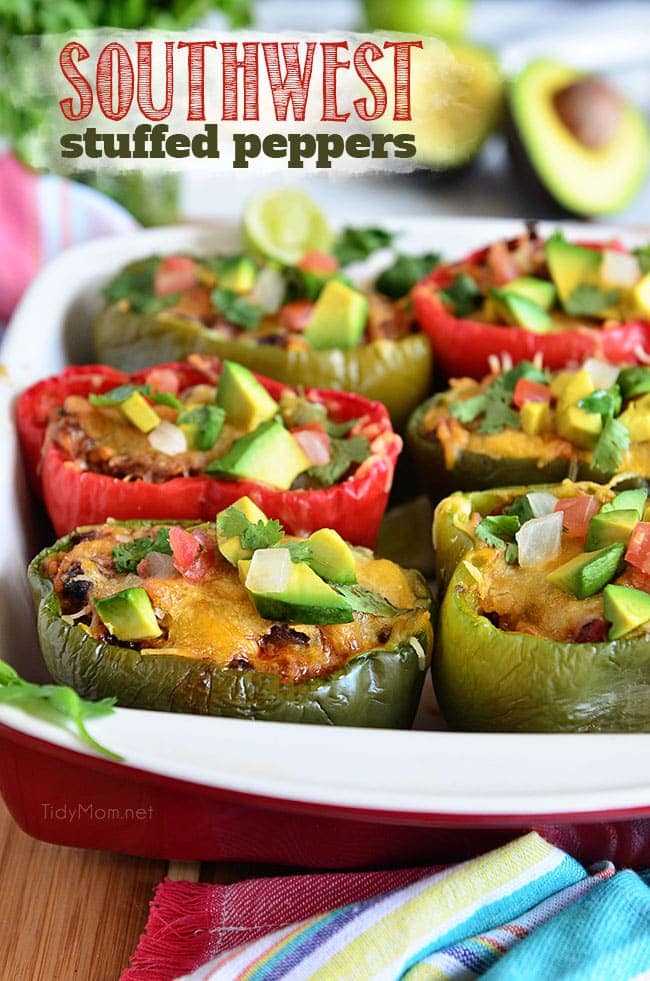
(591, 110)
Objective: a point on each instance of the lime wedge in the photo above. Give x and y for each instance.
(284, 225)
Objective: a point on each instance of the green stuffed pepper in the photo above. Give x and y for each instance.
(302, 325)
(545, 621)
(528, 426)
(234, 619)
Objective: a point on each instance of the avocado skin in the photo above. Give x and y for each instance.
(397, 373)
(489, 680)
(379, 689)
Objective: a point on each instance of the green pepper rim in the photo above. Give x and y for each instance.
(490, 680)
(397, 373)
(380, 688)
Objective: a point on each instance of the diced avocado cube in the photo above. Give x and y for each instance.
(634, 381)
(539, 291)
(520, 311)
(338, 319)
(331, 557)
(230, 547)
(238, 274)
(607, 527)
(139, 413)
(535, 418)
(571, 265)
(129, 615)
(270, 454)
(305, 599)
(588, 572)
(244, 400)
(626, 609)
(579, 427)
(559, 382)
(636, 419)
(629, 499)
(641, 297)
(574, 388)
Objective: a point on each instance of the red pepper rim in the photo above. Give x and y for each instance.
(464, 347)
(75, 497)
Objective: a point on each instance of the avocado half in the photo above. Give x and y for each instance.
(456, 100)
(584, 179)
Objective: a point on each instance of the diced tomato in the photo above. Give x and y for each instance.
(636, 579)
(593, 632)
(296, 315)
(578, 512)
(175, 274)
(163, 380)
(315, 442)
(320, 263)
(638, 550)
(530, 391)
(193, 553)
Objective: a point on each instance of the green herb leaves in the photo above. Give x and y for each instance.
(134, 285)
(589, 300)
(261, 534)
(364, 600)
(237, 309)
(56, 703)
(494, 529)
(463, 295)
(128, 555)
(400, 277)
(343, 453)
(120, 394)
(495, 403)
(356, 244)
(209, 421)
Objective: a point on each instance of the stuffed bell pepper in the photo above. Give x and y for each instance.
(234, 618)
(302, 325)
(545, 622)
(525, 425)
(566, 301)
(183, 440)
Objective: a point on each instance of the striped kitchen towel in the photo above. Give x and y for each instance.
(524, 911)
(40, 215)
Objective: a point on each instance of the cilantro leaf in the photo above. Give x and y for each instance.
(498, 412)
(512, 553)
(56, 703)
(613, 443)
(343, 453)
(233, 523)
(339, 429)
(467, 410)
(162, 398)
(299, 551)
(120, 394)
(525, 369)
(494, 529)
(127, 555)
(588, 300)
(463, 295)
(356, 244)
(365, 600)
(399, 278)
(521, 508)
(236, 309)
(135, 285)
(209, 420)
(642, 254)
(605, 402)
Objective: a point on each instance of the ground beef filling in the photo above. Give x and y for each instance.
(215, 619)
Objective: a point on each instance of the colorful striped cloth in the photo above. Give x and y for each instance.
(524, 911)
(40, 215)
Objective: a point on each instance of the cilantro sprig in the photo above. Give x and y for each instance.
(134, 285)
(495, 404)
(496, 528)
(463, 295)
(614, 440)
(364, 600)
(588, 300)
(115, 396)
(233, 523)
(55, 703)
(343, 453)
(237, 309)
(357, 244)
(127, 555)
(405, 271)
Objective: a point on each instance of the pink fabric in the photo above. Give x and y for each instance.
(191, 923)
(40, 215)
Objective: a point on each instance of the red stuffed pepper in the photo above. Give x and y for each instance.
(184, 440)
(564, 301)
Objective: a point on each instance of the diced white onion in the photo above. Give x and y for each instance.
(603, 375)
(168, 439)
(269, 289)
(157, 565)
(269, 570)
(619, 269)
(539, 540)
(314, 446)
(541, 503)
